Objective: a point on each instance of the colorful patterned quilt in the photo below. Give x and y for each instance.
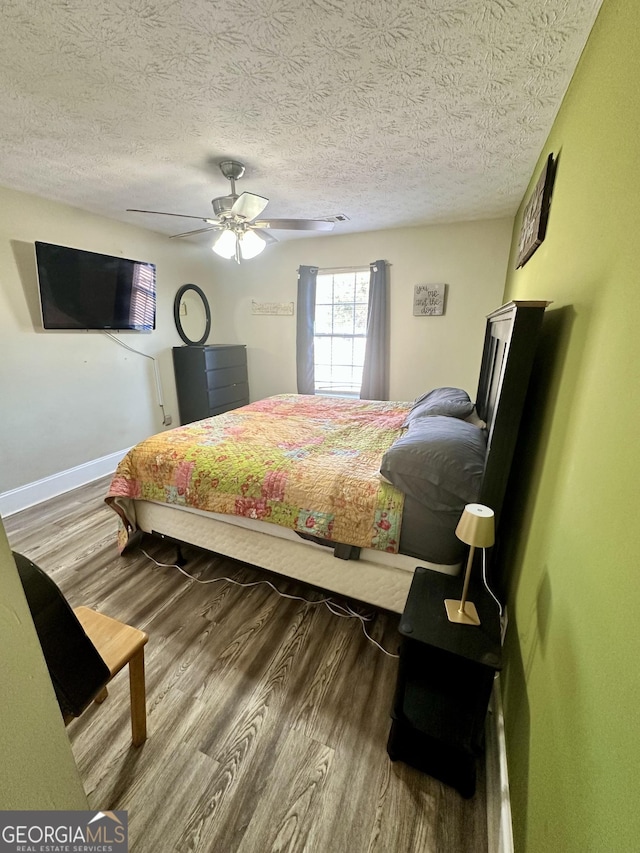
(308, 463)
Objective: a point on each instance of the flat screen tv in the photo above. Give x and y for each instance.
(86, 290)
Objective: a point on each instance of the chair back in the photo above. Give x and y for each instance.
(77, 670)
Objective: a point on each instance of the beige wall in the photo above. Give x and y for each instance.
(37, 766)
(426, 352)
(71, 397)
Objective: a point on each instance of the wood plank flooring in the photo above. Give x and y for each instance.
(267, 717)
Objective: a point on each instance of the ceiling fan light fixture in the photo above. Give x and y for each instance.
(251, 244)
(225, 245)
(236, 216)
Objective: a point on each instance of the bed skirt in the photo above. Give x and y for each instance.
(377, 578)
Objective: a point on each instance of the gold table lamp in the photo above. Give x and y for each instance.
(476, 528)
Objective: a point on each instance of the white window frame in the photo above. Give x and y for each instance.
(337, 333)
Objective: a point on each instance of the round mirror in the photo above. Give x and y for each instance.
(192, 315)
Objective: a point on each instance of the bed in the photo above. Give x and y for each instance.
(347, 495)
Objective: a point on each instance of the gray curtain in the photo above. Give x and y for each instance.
(375, 376)
(305, 320)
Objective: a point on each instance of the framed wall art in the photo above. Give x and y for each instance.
(429, 299)
(536, 214)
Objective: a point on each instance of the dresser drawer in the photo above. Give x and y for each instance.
(227, 356)
(226, 376)
(238, 394)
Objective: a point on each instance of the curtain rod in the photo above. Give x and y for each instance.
(346, 269)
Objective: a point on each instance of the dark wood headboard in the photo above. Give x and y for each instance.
(509, 350)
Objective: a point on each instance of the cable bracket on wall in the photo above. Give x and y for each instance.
(166, 419)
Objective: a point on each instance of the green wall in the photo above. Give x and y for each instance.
(571, 685)
(37, 769)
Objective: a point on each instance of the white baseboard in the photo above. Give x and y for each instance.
(23, 497)
(499, 827)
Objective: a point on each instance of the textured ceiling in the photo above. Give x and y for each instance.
(393, 112)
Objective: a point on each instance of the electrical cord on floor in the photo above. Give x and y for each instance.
(347, 612)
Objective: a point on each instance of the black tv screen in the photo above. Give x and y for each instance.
(86, 290)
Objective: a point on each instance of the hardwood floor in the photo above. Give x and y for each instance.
(267, 717)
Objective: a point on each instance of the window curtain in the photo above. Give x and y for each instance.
(375, 375)
(305, 322)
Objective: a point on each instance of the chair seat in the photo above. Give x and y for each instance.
(116, 642)
(119, 645)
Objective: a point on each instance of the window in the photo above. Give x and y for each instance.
(340, 333)
(142, 309)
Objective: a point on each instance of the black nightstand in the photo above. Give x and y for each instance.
(445, 677)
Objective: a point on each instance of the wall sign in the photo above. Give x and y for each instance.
(536, 214)
(428, 300)
(271, 308)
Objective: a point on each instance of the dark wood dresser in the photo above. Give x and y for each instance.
(210, 379)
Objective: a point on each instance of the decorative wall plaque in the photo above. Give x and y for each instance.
(272, 308)
(536, 214)
(428, 300)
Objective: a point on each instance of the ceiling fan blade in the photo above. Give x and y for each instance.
(296, 224)
(197, 231)
(268, 238)
(162, 213)
(249, 206)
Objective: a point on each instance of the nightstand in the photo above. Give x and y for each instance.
(445, 678)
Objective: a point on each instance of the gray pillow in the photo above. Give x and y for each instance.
(452, 402)
(439, 461)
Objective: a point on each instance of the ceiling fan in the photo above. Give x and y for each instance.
(242, 236)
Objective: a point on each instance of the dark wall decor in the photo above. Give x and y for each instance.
(536, 214)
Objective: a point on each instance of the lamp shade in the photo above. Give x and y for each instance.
(225, 245)
(251, 244)
(477, 526)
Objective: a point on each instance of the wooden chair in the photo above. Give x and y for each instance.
(84, 649)
(118, 645)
